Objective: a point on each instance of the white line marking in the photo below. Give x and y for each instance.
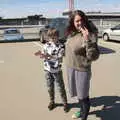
(38, 44)
(1, 61)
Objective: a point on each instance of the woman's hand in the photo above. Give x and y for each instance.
(85, 33)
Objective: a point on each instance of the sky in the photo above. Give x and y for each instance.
(53, 8)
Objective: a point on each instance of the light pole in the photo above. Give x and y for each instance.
(71, 5)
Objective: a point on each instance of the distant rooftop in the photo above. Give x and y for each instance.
(104, 13)
(98, 14)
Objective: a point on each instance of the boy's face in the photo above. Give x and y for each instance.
(54, 39)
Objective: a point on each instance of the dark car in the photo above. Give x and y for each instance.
(58, 23)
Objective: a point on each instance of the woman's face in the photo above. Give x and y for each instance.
(78, 22)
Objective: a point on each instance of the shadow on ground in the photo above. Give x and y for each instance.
(110, 107)
(104, 50)
(15, 41)
(115, 41)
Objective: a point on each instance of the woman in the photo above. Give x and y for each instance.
(81, 50)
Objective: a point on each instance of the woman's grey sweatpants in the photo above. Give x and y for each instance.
(78, 83)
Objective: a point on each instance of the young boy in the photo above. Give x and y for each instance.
(52, 54)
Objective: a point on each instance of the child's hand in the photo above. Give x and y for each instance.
(45, 56)
(37, 53)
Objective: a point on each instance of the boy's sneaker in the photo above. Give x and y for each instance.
(76, 115)
(51, 106)
(66, 108)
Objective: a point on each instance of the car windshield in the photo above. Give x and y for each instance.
(11, 32)
(117, 26)
(57, 22)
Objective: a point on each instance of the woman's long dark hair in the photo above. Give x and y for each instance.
(71, 28)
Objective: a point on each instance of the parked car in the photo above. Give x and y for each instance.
(59, 23)
(12, 34)
(112, 33)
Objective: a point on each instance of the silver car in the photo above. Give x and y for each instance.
(112, 33)
(12, 34)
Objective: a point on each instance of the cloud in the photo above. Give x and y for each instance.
(98, 5)
(108, 8)
(7, 1)
(52, 8)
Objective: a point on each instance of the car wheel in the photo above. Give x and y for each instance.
(105, 37)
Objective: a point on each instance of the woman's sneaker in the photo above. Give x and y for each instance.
(76, 115)
(51, 106)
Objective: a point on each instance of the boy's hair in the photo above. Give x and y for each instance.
(52, 32)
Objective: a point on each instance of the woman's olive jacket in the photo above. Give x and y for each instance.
(80, 53)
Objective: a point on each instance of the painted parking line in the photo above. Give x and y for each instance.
(1, 61)
(37, 44)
